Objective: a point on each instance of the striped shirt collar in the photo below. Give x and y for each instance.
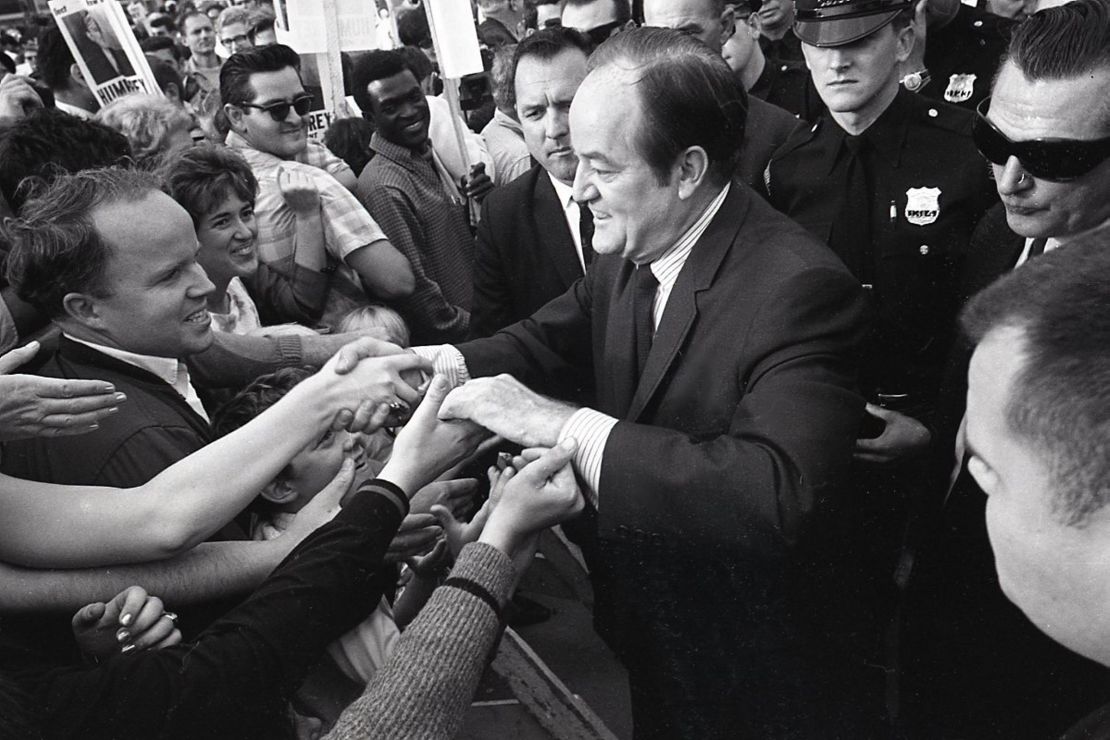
(669, 264)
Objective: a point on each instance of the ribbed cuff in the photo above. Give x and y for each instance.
(446, 361)
(487, 567)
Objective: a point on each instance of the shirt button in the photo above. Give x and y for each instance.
(924, 249)
(977, 23)
(933, 113)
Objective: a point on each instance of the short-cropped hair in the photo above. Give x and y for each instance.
(688, 97)
(148, 122)
(56, 249)
(50, 143)
(546, 44)
(371, 67)
(202, 177)
(235, 74)
(1063, 42)
(1060, 399)
(234, 14)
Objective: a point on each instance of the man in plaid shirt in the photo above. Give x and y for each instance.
(409, 192)
(263, 98)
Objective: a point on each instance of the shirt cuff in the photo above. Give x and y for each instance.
(591, 430)
(446, 361)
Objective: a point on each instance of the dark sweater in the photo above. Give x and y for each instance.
(236, 678)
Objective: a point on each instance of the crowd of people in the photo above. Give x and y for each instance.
(788, 312)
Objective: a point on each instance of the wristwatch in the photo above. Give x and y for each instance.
(914, 81)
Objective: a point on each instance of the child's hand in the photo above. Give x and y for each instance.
(416, 536)
(299, 191)
(460, 533)
(456, 495)
(432, 564)
(133, 620)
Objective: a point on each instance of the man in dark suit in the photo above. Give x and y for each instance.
(722, 341)
(1050, 153)
(530, 245)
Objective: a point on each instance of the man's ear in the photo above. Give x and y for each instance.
(728, 23)
(234, 117)
(692, 170)
(82, 308)
(76, 76)
(173, 93)
(905, 43)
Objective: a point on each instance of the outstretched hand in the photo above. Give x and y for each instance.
(132, 620)
(32, 406)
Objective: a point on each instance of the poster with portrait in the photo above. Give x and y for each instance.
(104, 47)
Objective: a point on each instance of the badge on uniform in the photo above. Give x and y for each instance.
(922, 206)
(960, 88)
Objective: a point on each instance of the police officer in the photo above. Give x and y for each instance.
(957, 54)
(780, 82)
(893, 182)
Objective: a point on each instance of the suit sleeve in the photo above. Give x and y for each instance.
(492, 299)
(237, 676)
(788, 443)
(553, 343)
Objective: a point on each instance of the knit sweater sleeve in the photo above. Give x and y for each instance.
(423, 690)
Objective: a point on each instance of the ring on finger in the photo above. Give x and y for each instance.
(172, 616)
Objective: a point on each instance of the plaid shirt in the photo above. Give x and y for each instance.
(347, 226)
(406, 195)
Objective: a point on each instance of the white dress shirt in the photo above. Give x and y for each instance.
(572, 213)
(170, 370)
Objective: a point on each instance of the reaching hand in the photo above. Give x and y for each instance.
(31, 406)
(133, 620)
(477, 184)
(427, 446)
(18, 100)
(417, 535)
(456, 495)
(902, 437)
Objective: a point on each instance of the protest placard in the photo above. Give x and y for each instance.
(104, 47)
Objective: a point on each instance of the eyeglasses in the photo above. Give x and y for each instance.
(234, 40)
(279, 111)
(1054, 160)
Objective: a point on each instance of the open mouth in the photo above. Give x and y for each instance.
(243, 251)
(199, 317)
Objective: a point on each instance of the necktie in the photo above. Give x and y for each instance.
(851, 231)
(643, 300)
(586, 233)
(1036, 249)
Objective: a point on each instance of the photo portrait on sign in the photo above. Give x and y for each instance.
(98, 44)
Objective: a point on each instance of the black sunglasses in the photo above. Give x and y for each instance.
(1054, 160)
(279, 111)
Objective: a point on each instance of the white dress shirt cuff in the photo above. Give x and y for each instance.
(446, 361)
(591, 429)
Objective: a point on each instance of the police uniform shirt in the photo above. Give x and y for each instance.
(963, 56)
(786, 49)
(789, 86)
(929, 186)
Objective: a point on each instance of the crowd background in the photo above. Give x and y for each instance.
(281, 419)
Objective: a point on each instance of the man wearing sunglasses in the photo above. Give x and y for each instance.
(267, 108)
(1046, 133)
(890, 181)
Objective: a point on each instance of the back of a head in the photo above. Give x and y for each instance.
(152, 44)
(621, 8)
(371, 67)
(417, 62)
(201, 177)
(688, 97)
(412, 29)
(262, 393)
(54, 59)
(501, 79)
(165, 75)
(236, 72)
(148, 121)
(1063, 42)
(1060, 400)
(50, 143)
(234, 14)
(55, 246)
(349, 139)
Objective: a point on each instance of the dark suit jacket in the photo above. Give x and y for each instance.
(727, 455)
(525, 255)
(963, 636)
(768, 127)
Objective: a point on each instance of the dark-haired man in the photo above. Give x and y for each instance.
(408, 190)
(712, 23)
(534, 237)
(267, 108)
(721, 342)
(598, 19)
(62, 75)
(1049, 149)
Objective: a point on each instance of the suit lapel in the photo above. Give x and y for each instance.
(552, 230)
(697, 275)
